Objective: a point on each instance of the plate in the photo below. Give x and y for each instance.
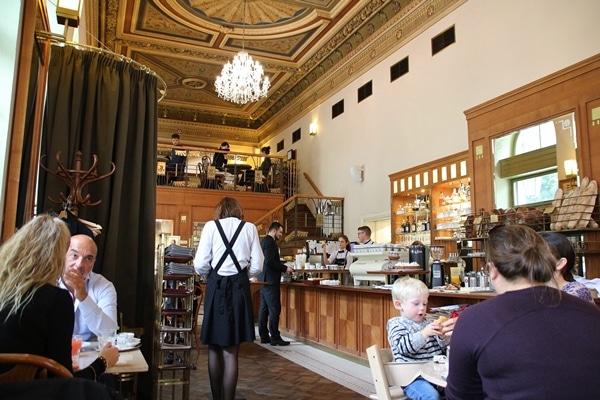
(123, 349)
(86, 344)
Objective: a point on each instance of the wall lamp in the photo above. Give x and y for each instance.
(312, 129)
(67, 13)
(570, 168)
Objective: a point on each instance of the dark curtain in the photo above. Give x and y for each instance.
(98, 104)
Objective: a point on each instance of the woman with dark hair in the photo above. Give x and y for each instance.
(563, 251)
(341, 256)
(228, 254)
(530, 341)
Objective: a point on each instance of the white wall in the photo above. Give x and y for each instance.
(9, 32)
(500, 46)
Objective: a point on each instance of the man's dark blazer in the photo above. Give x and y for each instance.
(272, 266)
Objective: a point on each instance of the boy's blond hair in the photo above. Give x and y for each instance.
(407, 287)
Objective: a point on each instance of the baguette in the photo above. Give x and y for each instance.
(588, 202)
(556, 203)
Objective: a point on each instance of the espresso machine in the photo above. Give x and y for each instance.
(437, 269)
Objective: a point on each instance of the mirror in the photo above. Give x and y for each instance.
(532, 162)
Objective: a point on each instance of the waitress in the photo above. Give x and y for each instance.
(341, 256)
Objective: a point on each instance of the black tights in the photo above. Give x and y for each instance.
(223, 371)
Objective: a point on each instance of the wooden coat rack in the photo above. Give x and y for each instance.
(76, 179)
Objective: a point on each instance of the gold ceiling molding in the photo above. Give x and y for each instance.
(400, 30)
(207, 133)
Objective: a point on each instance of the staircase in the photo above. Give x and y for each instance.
(305, 218)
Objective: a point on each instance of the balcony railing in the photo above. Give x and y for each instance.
(241, 172)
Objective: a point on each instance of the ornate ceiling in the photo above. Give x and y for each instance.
(308, 48)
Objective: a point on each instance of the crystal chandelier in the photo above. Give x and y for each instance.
(242, 81)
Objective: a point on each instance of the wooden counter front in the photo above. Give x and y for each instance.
(348, 318)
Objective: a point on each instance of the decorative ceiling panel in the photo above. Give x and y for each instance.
(307, 48)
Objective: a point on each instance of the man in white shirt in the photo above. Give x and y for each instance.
(94, 296)
(364, 235)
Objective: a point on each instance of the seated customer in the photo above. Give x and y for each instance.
(176, 162)
(219, 159)
(530, 341)
(265, 167)
(412, 337)
(563, 251)
(37, 316)
(94, 296)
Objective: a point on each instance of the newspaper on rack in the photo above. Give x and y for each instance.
(178, 269)
(174, 250)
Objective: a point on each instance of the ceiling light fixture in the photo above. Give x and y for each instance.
(242, 81)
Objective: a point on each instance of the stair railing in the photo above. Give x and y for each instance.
(306, 217)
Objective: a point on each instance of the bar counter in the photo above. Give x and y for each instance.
(348, 318)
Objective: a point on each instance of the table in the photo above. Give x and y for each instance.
(238, 170)
(434, 372)
(125, 370)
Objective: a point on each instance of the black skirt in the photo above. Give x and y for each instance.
(228, 312)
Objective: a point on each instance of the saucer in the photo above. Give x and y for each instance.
(128, 347)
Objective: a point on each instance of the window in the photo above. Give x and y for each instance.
(337, 109)
(296, 135)
(399, 69)
(280, 145)
(443, 40)
(365, 91)
(534, 189)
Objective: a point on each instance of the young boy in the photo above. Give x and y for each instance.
(411, 337)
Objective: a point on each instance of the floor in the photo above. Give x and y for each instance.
(293, 372)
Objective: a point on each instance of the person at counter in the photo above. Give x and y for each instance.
(270, 296)
(530, 341)
(175, 163)
(341, 256)
(364, 235)
(37, 316)
(94, 296)
(412, 337)
(563, 251)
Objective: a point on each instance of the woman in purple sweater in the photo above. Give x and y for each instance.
(531, 341)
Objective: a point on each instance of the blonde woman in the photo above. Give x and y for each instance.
(36, 316)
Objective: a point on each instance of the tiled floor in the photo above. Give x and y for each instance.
(294, 372)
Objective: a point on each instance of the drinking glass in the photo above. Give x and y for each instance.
(76, 343)
(105, 336)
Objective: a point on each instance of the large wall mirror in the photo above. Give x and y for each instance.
(531, 163)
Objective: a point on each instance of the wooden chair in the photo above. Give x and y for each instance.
(28, 367)
(260, 182)
(389, 376)
(209, 179)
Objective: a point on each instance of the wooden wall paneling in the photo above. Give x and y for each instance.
(199, 204)
(372, 321)
(310, 318)
(347, 322)
(566, 90)
(328, 314)
(590, 142)
(285, 294)
(294, 310)
(573, 89)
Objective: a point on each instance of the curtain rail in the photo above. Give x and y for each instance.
(60, 40)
